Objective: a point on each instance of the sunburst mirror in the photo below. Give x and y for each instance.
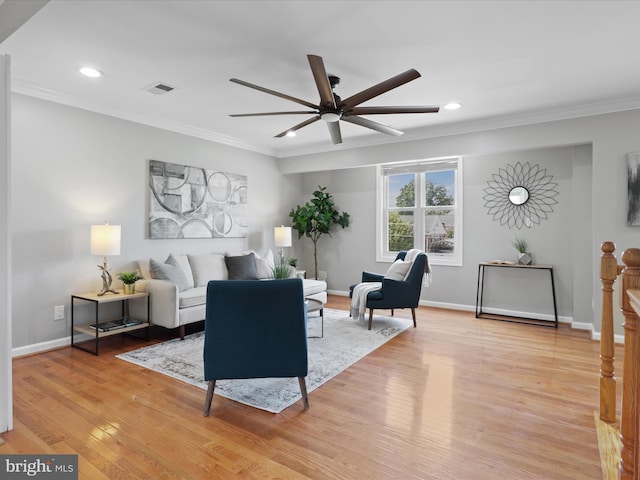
(520, 195)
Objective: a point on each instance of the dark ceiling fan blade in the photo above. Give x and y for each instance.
(391, 110)
(273, 92)
(334, 131)
(272, 113)
(378, 127)
(379, 89)
(298, 126)
(322, 81)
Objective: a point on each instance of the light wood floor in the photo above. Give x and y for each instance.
(455, 398)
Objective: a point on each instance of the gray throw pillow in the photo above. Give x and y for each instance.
(172, 273)
(242, 267)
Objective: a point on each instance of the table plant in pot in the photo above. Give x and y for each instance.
(316, 218)
(129, 280)
(524, 258)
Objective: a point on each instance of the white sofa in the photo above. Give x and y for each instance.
(178, 286)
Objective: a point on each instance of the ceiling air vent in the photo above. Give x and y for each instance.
(160, 88)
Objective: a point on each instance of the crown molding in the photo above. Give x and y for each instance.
(447, 129)
(471, 126)
(33, 90)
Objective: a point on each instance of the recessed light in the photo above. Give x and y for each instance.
(90, 72)
(452, 106)
(290, 133)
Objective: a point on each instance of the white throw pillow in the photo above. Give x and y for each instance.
(265, 264)
(183, 262)
(398, 270)
(207, 267)
(171, 273)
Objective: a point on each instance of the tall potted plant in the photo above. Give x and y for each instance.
(316, 218)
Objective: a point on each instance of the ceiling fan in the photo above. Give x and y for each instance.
(332, 108)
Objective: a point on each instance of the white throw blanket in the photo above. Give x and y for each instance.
(411, 256)
(359, 298)
(360, 291)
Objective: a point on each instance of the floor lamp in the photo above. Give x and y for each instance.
(105, 241)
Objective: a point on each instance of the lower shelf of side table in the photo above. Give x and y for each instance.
(93, 335)
(91, 331)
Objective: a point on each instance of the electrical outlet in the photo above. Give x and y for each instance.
(58, 312)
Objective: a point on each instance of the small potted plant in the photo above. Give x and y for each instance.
(293, 262)
(524, 258)
(282, 270)
(129, 280)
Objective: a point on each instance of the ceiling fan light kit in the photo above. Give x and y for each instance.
(331, 117)
(331, 108)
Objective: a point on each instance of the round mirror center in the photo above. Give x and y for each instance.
(518, 195)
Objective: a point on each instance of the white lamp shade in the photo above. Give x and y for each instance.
(282, 236)
(105, 240)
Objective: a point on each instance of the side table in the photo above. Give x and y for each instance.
(524, 268)
(101, 328)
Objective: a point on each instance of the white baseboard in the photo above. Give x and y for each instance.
(63, 342)
(41, 347)
(497, 311)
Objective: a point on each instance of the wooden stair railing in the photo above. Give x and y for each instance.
(629, 468)
(609, 270)
(630, 400)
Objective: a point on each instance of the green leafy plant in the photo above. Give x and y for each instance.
(520, 245)
(129, 277)
(316, 218)
(281, 269)
(293, 262)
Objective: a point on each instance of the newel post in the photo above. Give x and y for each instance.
(629, 418)
(608, 274)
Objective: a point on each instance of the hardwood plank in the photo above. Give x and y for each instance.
(456, 397)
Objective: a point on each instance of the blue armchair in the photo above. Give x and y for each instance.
(255, 329)
(396, 293)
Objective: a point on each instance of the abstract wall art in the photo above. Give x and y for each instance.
(192, 202)
(633, 188)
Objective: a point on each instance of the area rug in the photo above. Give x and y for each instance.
(345, 341)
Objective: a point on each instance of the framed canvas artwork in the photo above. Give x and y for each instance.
(633, 188)
(192, 202)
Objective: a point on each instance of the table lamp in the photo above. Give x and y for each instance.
(105, 240)
(282, 239)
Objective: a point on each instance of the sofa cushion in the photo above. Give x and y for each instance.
(265, 264)
(207, 267)
(312, 287)
(172, 273)
(183, 262)
(398, 270)
(193, 297)
(242, 267)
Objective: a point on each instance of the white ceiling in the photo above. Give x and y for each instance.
(507, 62)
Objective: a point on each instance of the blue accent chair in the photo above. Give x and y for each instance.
(396, 293)
(255, 329)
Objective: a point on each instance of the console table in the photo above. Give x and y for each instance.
(480, 293)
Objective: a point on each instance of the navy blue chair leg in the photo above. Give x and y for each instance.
(207, 402)
(303, 391)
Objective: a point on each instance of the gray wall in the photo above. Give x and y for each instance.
(72, 169)
(350, 251)
(611, 137)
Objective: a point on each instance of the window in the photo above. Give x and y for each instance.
(420, 206)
